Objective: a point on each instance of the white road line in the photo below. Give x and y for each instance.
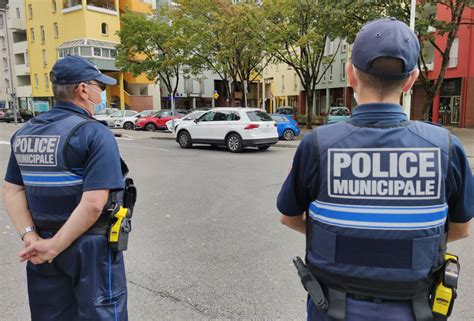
(123, 138)
(4, 142)
(143, 147)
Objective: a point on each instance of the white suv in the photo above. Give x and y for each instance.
(234, 128)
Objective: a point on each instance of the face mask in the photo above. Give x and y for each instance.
(356, 97)
(103, 101)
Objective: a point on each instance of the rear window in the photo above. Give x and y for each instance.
(258, 115)
(339, 112)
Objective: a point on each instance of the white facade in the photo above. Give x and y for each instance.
(14, 55)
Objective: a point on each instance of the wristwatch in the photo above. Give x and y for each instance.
(27, 229)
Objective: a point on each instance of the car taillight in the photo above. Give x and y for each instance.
(252, 126)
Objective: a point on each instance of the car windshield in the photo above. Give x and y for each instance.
(102, 112)
(259, 115)
(194, 115)
(339, 112)
(116, 114)
(279, 119)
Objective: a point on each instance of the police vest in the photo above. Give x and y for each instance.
(377, 224)
(52, 189)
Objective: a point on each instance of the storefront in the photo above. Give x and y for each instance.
(450, 102)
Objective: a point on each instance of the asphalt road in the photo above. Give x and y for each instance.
(206, 241)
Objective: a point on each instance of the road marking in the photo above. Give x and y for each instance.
(4, 142)
(143, 147)
(123, 138)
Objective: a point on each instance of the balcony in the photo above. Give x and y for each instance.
(20, 47)
(71, 5)
(134, 102)
(16, 24)
(23, 91)
(102, 6)
(135, 5)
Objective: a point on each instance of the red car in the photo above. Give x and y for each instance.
(157, 120)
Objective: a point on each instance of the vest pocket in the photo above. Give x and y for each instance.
(425, 252)
(323, 243)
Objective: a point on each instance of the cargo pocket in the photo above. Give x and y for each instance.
(111, 308)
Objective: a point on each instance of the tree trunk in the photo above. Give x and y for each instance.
(309, 112)
(428, 107)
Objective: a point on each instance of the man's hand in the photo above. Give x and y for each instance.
(40, 251)
(29, 239)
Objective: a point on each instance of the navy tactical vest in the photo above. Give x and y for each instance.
(377, 226)
(53, 190)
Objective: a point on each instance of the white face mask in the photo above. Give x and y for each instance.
(103, 100)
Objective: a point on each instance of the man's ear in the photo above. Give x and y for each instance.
(351, 75)
(410, 80)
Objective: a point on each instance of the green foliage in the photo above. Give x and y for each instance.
(222, 37)
(296, 32)
(150, 45)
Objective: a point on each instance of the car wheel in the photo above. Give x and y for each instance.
(128, 125)
(150, 127)
(184, 139)
(264, 147)
(288, 134)
(234, 143)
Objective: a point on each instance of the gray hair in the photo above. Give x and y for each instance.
(64, 92)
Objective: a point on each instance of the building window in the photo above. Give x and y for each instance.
(53, 3)
(2, 42)
(27, 57)
(343, 46)
(71, 3)
(104, 4)
(283, 83)
(36, 81)
(1, 21)
(56, 30)
(45, 58)
(43, 35)
(97, 52)
(330, 73)
(46, 80)
(5, 63)
(343, 69)
(32, 33)
(295, 80)
(453, 54)
(30, 11)
(323, 68)
(18, 13)
(105, 29)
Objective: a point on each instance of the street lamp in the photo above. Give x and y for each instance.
(407, 96)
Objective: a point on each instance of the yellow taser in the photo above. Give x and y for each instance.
(116, 227)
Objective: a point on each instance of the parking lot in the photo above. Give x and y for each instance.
(206, 241)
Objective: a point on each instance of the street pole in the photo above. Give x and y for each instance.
(407, 96)
(172, 111)
(245, 93)
(11, 89)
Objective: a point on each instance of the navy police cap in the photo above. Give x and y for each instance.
(76, 69)
(389, 38)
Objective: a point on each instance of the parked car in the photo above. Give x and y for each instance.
(3, 111)
(112, 118)
(104, 113)
(336, 114)
(157, 121)
(287, 127)
(128, 122)
(287, 110)
(188, 117)
(10, 116)
(235, 128)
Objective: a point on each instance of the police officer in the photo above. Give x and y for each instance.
(63, 168)
(375, 195)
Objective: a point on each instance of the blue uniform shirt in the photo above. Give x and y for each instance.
(92, 151)
(300, 187)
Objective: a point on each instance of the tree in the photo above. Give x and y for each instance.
(296, 32)
(222, 37)
(149, 44)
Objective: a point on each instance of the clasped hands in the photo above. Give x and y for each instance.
(37, 250)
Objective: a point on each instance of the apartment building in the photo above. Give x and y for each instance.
(57, 28)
